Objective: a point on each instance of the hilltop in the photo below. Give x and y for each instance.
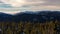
(38, 16)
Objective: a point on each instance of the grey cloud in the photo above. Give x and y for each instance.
(46, 2)
(52, 2)
(33, 0)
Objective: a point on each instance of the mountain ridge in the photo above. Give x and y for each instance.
(31, 16)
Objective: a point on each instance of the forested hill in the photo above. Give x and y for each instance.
(38, 16)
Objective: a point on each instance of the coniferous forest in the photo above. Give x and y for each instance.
(41, 22)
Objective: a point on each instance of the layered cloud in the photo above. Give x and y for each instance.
(30, 5)
(34, 3)
(45, 4)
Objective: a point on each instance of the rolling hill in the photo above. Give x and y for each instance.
(38, 16)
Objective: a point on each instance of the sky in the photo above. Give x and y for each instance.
(15, 6)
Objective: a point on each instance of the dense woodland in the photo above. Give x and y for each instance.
(44, 22)
(30, 28)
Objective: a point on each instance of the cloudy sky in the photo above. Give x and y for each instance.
(15, 6)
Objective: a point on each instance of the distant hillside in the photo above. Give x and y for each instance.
(38, 16)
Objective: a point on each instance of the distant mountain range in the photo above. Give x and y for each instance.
(38, 16)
